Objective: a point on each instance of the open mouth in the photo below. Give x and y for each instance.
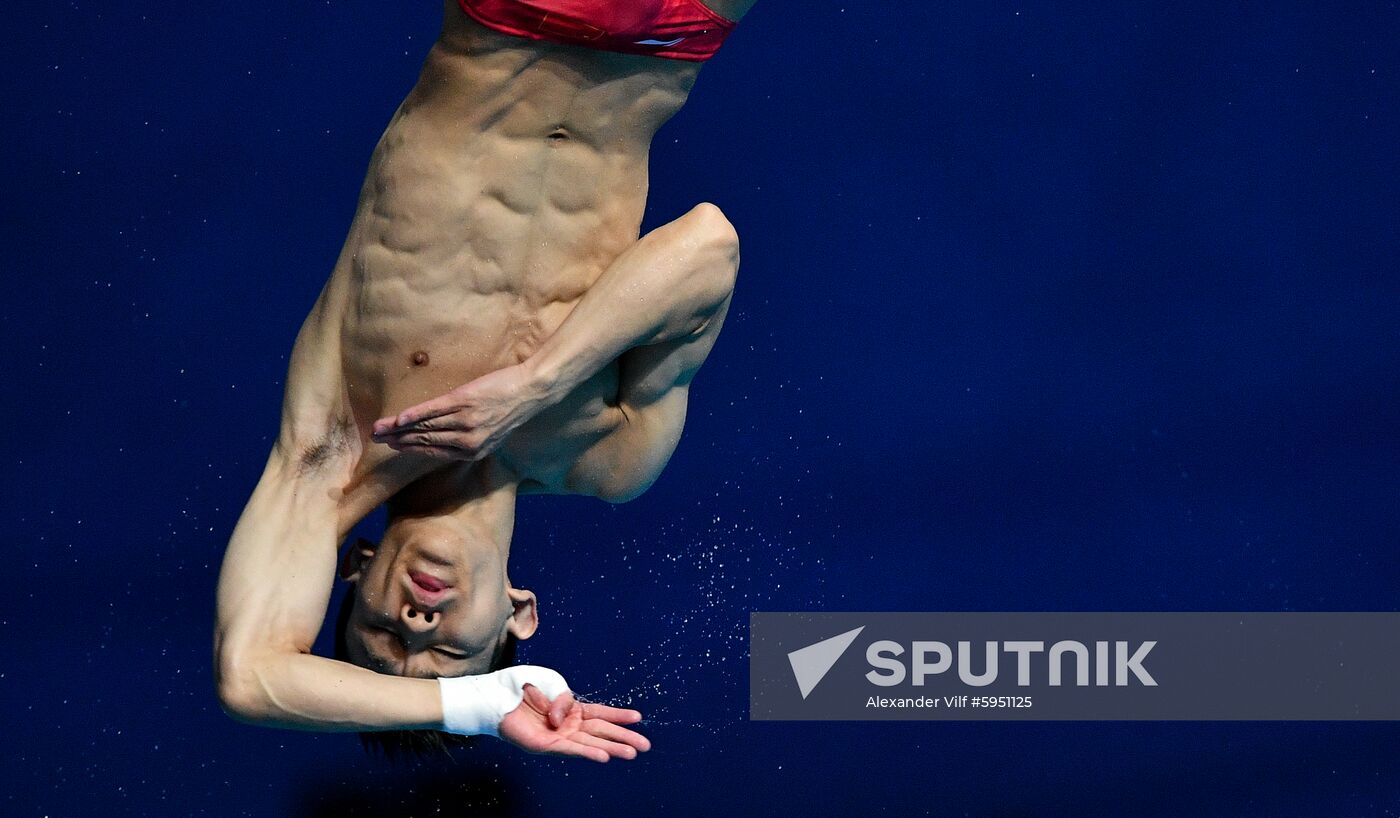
(427, 582)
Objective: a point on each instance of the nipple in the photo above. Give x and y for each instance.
(420, 358)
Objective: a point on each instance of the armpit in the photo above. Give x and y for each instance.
(337, 443)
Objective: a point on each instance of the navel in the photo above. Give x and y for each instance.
(420, 358)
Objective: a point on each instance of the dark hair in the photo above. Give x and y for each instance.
(398, 743)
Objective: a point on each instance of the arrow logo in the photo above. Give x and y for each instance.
(811, 663)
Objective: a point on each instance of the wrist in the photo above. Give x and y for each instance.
(545, 379)
(476, 705)
(473, 705)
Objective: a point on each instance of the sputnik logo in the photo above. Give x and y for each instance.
(810, 664)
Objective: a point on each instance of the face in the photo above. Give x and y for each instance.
(431, 600)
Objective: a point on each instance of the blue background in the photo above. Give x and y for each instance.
(1075, 306)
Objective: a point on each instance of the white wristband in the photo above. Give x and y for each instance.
(475, 705)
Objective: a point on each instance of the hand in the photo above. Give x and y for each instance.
(566, 727)
(469, 422)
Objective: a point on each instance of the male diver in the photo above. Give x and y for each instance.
(494, 326)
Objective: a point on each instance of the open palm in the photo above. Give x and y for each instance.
(567, 727)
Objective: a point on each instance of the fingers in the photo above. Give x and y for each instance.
(568, 747)
(455, 445)
(435, 446)
(443, 405)
(535, 698)
(616, 715)
(597, 739)
(414, 437)
(554, 712)
(451, 444)
(435, 452)
(560, 707)
(392, 424)
(612, 732)
(441, 424)
(614, 749)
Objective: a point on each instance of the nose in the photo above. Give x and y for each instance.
(418, 621)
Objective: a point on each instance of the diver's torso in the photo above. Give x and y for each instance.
(511, 177)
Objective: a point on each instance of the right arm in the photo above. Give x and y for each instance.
(275, 584)
(273, 592)
(278, 571)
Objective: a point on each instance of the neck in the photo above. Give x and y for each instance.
(479, 497)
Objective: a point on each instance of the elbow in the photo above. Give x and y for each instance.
(238, 704)
(239, 693)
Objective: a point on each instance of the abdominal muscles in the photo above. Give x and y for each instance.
(470, 248)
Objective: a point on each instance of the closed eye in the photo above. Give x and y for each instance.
(398, 638)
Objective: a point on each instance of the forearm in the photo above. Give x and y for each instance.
(664, 287)
(307, 692)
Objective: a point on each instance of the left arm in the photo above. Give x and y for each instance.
(665, 289)
(653, 395)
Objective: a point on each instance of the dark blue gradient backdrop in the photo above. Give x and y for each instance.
(1051, 306)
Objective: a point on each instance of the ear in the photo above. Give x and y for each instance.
(524, 616)
(359, 553)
